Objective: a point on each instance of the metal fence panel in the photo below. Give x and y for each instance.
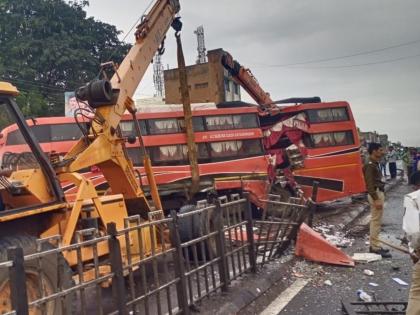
(159, 270)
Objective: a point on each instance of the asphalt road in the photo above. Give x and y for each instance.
(318, 298)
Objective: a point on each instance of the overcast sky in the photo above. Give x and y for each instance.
(383, 88)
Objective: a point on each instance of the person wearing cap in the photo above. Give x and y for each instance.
(411, 227)
(376, 197)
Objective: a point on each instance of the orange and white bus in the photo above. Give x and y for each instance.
(237, 150)
(230, 151)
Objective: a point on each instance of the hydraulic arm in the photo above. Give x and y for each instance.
(111, 99)
(246, 79)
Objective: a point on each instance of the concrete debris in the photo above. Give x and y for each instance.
(366, 257)
(363, 296)
(399, 281)
(334, 235)
(298, 274)
(368, 272)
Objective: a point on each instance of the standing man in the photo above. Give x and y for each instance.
(411, 226)
(382, 164)
(375, 188)
(392, 162)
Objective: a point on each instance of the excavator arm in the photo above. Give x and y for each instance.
(111, 99)
(246, 79)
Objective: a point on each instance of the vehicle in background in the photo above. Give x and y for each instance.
(309, 140)
(238, 150)
(230, 151)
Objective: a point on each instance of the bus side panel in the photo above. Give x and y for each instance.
(338, 176)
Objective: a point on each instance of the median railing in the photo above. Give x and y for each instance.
(166, 266)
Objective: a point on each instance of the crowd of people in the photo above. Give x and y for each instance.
(374, 171)
(409, 156)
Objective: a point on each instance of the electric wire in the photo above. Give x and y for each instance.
(18, 71)
(367, 52)
(361, 64)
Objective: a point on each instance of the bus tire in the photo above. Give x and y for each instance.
(190, 228)
(50, 276)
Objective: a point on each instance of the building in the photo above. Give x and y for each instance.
(384, 141)
(208, 82)
(367, 137)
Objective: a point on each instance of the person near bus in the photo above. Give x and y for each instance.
(392, 162)
(382, 164)
(411, 227)
(376, 196)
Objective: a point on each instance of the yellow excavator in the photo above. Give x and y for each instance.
(32, 202)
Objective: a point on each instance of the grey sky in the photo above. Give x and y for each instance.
(261, 34)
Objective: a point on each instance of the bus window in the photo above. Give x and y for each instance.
(65, 132)
(127, 128)
(41, 133)
(15, 137)
(224, 122)
(225, 149)
(203, 152)
(136, 155)
(327, 115)
(245, 121)
(198, 124)
(252, 147)
(169, 153)
(163, 126)
(329, 139)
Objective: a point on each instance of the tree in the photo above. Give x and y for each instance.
(50, 46)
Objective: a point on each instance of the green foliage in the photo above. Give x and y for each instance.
(50, 46)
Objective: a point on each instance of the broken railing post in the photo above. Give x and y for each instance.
(312, 206)
(250, 234)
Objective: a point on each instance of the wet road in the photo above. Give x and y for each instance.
(318, 298)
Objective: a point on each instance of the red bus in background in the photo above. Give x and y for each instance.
(230, 151)
(238, 149)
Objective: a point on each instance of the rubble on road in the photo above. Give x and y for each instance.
(334, 234)
(399, 281)
(366, 257)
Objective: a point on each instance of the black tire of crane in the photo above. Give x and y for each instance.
(50, 274)
(192, 227)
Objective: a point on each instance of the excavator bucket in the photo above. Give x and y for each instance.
(312, 246)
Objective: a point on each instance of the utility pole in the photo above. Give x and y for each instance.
(201, 47)
(158, 79)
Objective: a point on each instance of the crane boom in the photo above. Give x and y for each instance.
(104, 147)
(246, 79)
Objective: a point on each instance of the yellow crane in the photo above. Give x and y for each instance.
(32, 202)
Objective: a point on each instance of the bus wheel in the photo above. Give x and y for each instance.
(283, 195)
(49, 278)
(195, 226)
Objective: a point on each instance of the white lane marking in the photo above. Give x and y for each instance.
(285, 297)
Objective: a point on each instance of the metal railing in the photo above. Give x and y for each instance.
(188, 256)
